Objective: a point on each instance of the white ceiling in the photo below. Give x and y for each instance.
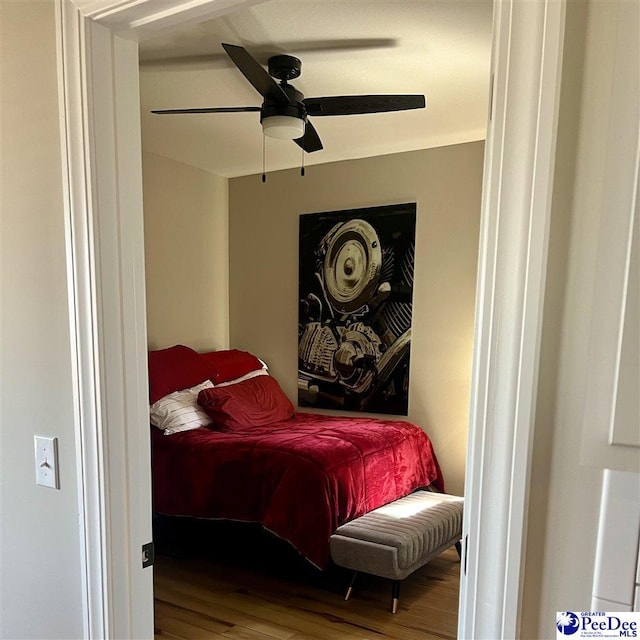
(437, 48)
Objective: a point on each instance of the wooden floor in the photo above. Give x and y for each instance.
(263, 592)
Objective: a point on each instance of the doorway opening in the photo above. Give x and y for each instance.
(103, 203)
(185, 226)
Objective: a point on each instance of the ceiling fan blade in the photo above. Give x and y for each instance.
(199, 56)
(256, 74)
(207, 110)
(351, 105)
(310, 141)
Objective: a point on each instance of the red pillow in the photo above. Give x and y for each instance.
(174, 369)
(230, 364)
(253, 403)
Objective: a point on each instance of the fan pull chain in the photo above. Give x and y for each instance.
(302, 166)
(264, 153)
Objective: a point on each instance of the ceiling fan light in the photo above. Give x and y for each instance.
(283, 127)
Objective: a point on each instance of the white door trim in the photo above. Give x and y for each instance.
(100, 125)
(519, 163)
(103, 215)
(80, 278)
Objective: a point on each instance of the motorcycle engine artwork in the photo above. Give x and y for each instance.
(355, 307)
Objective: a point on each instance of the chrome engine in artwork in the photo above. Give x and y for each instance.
(354, 332)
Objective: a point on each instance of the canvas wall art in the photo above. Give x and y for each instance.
(355, 308)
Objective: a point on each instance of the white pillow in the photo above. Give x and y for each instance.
(179, 411)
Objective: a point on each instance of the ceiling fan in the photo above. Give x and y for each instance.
(284, 112)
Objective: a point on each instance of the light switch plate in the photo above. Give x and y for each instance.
(46, 450)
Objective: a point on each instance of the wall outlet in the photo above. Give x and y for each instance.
(46, 450)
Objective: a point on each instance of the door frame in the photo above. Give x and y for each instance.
(100, 128)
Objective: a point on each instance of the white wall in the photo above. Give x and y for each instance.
(186, 255)
(263, 238)
(40, 577)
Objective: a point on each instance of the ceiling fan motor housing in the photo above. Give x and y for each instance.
(295, 108)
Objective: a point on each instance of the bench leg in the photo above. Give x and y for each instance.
(395, 596)
(350, 589)
(459, 549)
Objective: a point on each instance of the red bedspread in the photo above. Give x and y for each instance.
(300, 478)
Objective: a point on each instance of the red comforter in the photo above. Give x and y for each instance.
(300, 478)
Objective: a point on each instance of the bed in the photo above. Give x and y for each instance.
(299, 475)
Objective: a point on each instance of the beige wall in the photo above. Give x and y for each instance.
(40, 574)
(186, 255)
(263, 249)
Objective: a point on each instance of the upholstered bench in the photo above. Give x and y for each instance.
(398, 538)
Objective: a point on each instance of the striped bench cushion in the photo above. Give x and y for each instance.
(398, 538)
